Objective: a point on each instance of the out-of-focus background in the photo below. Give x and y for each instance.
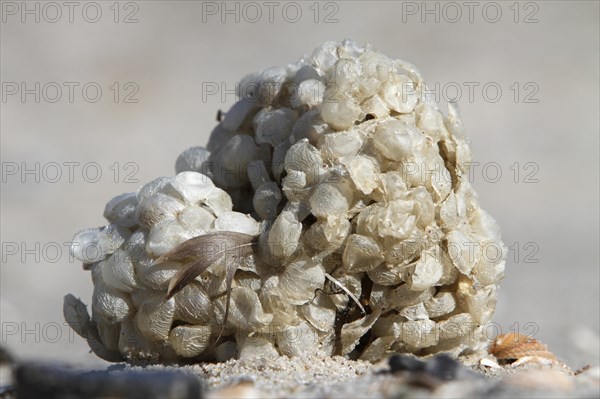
(100, 97)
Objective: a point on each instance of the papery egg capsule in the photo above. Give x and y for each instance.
(157, 208)
(192, 160)
(297, 340)
(329, 199)
(304, 157)
(134, 345)
(274, 126)
(266, 200)
(189, 341)
(118, 271)
(110, 304)
(155, 316)
(122, 210)
(338, 110)
(284, 235)
(441, 304)
(165, 236)
(193, 305)
(337, 145)
(361, 253)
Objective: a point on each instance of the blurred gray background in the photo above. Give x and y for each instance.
(531, 114)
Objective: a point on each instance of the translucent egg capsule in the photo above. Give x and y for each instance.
(394, 139)
(93, 245)
(328, 233)
(165, 236)
(403, 296)
(419, 333)
(158, 208)
(361, 254)
(109, 334)
(245, 312)
(298, 340)
(231, 162)
(196, 219)
(352, 332)
(463, 250)
(121, 210)
(375, 106)
(156, 277)
(337, 145)
(110, 304)
(278, 159)
(284, 235)
(273, 126)
(415, 312)
(378, 349)
(193, 305)
(430, 121)
(238, 222)
(395, 219)
(134, 345)
(155, 316)
(299, 280)
(308, 93)
(189, 341)
(218, 202)
(320, 312)
(118, 271)
(252, 345)
(400, 94)
(257, 173)
(325, 56)
(192, 187)
(295, 186)
(262, 88)
(192, 160)
(238, 113)
(304, 157)
(309, 126)
(339, 111)
(490, 267)
(456, 327)
(479, 301)
(364, 172)
(329, 199)
(441, 304)
(266, 200)
(425, 273)
(388, 274)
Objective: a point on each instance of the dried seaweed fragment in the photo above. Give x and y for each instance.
(514, 346)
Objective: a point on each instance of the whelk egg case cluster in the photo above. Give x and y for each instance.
(369, 238)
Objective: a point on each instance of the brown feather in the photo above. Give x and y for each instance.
(188, 273)
(203, 251)
(207, 245)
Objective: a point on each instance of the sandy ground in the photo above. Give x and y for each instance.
(314, 377)
(541, 134)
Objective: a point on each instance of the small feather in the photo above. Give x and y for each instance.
(204, 251)
(188, 273)
(231, 265)
(207, 245)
